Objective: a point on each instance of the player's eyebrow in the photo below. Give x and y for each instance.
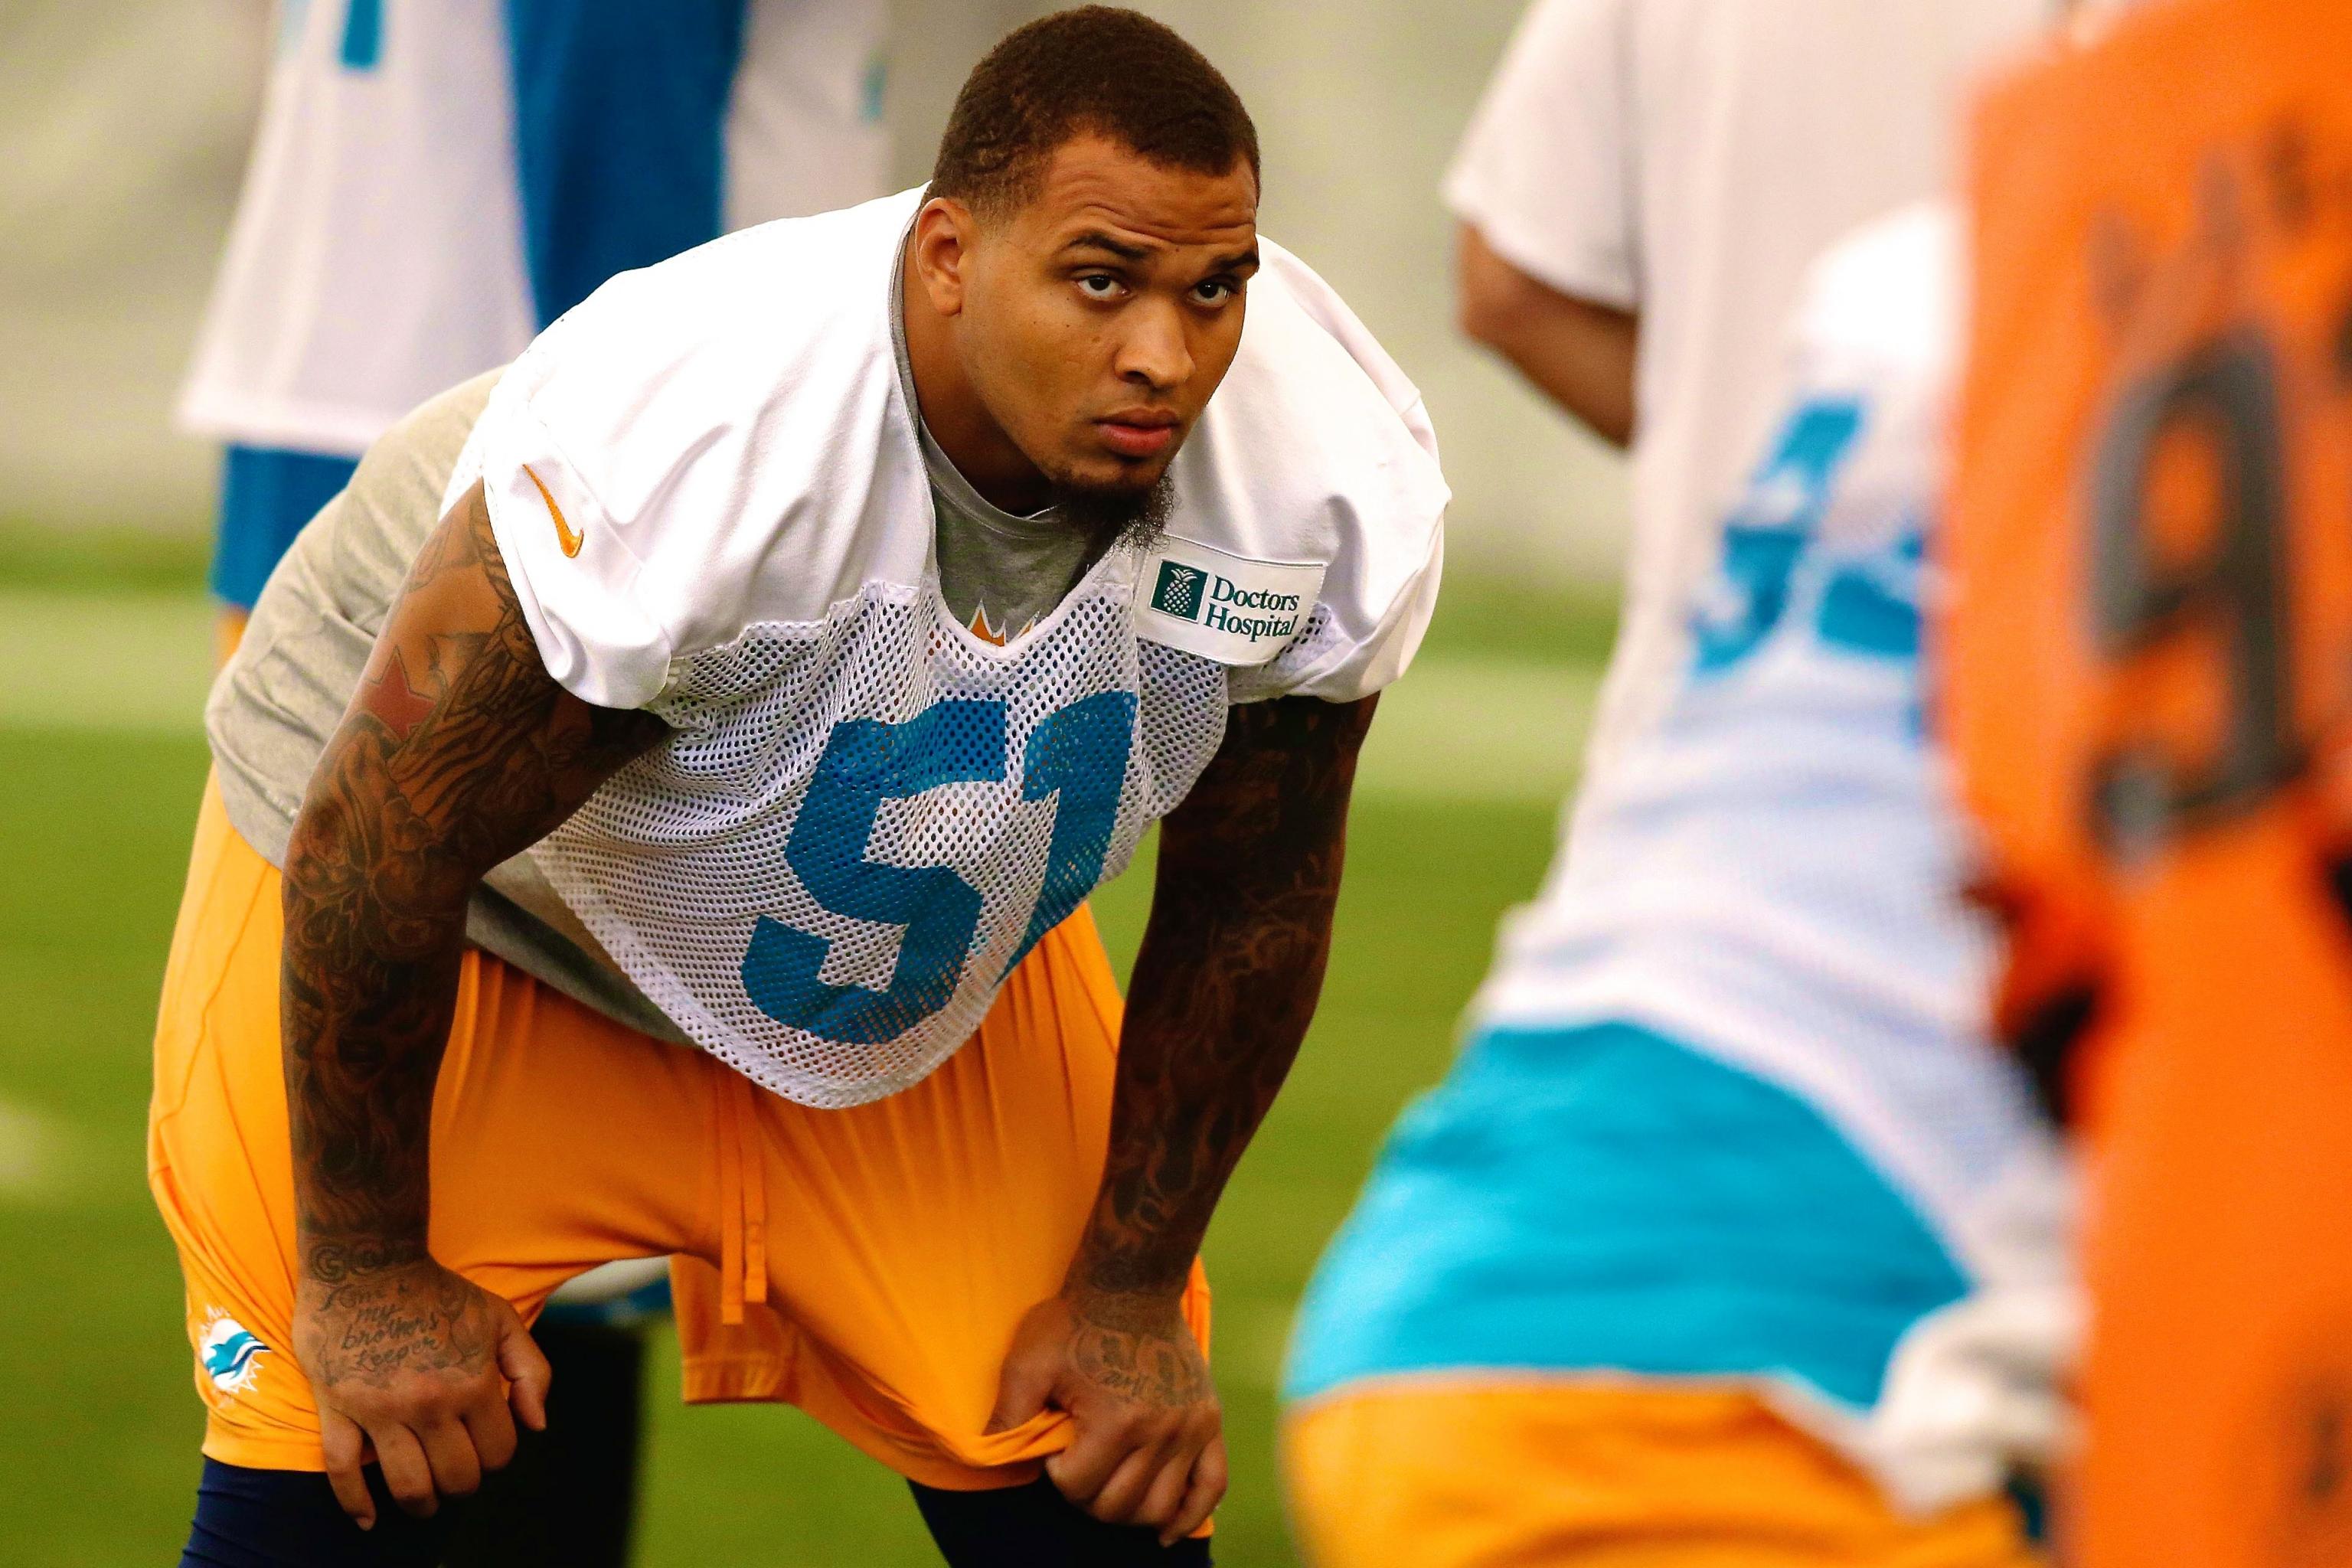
(1095, 239)
(1242, 261)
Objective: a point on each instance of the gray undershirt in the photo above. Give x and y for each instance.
(284, 692)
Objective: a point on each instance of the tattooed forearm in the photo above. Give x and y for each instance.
(458, 752)
(1227, 980)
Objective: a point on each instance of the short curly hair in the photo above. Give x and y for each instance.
(1099, 69)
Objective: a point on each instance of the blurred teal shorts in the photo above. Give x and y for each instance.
(1603, 1198)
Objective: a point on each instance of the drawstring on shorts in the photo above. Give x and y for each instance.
(742, 1199)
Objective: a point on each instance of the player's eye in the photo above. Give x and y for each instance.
(1214, 291)
(1098, 286)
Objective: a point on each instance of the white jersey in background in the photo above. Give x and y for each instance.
(1775, 877)
(1728, 1118)
(409, 219)
(710, 496)
(1685, 159)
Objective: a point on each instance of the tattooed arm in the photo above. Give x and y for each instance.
(1232, 965)
(458, 752)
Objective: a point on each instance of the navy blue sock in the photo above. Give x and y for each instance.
(1023, 1527)
(290, 1519)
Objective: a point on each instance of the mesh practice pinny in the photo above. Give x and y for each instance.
(864, 822)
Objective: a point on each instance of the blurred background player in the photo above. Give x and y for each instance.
(2150, 651)
(1728, 1129)
(431, 183)
(1638, 197)
(434, 181)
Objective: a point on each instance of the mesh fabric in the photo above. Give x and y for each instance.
(864, 822)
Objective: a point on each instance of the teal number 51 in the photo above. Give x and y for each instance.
(1078, 755)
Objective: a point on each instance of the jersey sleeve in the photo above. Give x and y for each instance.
(1545, 173)
(573, 532)
(1367, 626)
(685, 451)
(1360, 426)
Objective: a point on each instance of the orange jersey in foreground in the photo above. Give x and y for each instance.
(2149, 692)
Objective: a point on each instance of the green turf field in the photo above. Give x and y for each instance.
(101, 761)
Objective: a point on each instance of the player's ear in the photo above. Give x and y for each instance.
(944, 232)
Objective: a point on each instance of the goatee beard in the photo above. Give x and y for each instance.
(1122, 515)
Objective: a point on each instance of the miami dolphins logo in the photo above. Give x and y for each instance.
(231, 1353)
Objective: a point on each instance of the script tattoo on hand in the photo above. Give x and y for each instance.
(1224, 986)
(384, 1322)
(459, 750)
(1139, 1350)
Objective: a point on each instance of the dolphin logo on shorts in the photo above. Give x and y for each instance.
(231, 1353)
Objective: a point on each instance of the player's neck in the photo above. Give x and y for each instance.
(955, 416)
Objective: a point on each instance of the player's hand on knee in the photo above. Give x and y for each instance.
(1147, 1444)
(424, 1364)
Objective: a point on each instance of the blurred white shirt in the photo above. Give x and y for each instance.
(1774, 876)
(1685, 160)
(383, 249)
(1763, 861)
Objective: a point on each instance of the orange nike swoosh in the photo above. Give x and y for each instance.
(569, 540)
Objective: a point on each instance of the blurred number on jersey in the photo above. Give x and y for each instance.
(2194, 448)
(362, 45)
(1870, 605)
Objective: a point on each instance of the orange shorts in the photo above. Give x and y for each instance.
(868, 1265)
(1496, 1473)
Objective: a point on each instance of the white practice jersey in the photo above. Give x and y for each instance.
(1772, 869)
(707, 485)
(409, 219)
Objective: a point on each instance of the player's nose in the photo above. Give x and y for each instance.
(1155, 352)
